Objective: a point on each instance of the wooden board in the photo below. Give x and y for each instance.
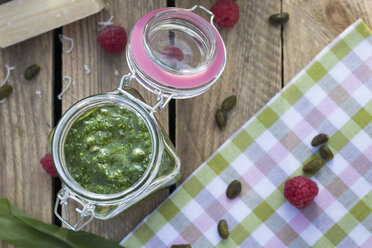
(102, 79)
(25, 121)
(313, 25)
(253, 73)
(21, 20)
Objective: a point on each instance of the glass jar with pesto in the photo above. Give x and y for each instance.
(109, 149)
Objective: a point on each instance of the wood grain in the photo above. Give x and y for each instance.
(314, 24)
(102, 79)
(25, 121)
(253, 73)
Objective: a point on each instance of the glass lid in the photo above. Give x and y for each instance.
(176, 52)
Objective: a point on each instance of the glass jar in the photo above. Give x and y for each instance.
(172, 52)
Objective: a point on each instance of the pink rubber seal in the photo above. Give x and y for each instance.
(165, 77)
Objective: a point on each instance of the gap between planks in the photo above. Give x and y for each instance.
(57, 107)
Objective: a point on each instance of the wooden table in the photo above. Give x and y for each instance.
(261, 59)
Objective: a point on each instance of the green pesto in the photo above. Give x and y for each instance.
(108, 149)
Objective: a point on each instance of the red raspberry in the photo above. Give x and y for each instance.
(226, 13)
(300, 191)
(112, 39)
(48, 165)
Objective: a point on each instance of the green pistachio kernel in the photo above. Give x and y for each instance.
(31, 71)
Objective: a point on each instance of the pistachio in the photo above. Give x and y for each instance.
(223, 229)
(319, 139)
(234, 189)
(279, 18)
(221, 118)
(229, 103)
(31, 71)
(325, 153)
(312, 166)
(181, 246)
(5, 91)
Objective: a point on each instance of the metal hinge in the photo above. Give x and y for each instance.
(162, 101)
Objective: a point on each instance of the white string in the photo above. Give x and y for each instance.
(8, 69)
(69, 82)
(107, 23)
(38, 93)
(87, 70)
(64, 37)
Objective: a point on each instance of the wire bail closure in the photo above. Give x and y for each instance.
(161, 104)
(205, 10)
(86, 212)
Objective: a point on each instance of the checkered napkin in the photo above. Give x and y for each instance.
(332, 95)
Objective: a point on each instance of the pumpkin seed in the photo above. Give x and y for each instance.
(319, 139)
(312, 166)
(221, 118)
(181, 246)
(325, 153)
(32, 71)
(234, 189)
(223, 229)
(279, 18)
(229, 103)
(5, 91)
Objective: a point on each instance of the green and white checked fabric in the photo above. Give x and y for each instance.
(332, 95)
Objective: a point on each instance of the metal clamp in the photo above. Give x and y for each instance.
(205, 10)
(161, 104)
(86, 213)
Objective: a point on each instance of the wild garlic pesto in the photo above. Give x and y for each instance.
(108, 149)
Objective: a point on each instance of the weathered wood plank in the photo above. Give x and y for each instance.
(102, 79)
(21, 20)
(253, 72)
(314, 24)
(25, 121)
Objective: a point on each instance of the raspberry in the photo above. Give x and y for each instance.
(112, 39)
(226, 13)
(300, 191)
(48, 165)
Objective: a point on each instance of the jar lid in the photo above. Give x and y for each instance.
(176, 52)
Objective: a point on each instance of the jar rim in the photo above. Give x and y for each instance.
(77, 110)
